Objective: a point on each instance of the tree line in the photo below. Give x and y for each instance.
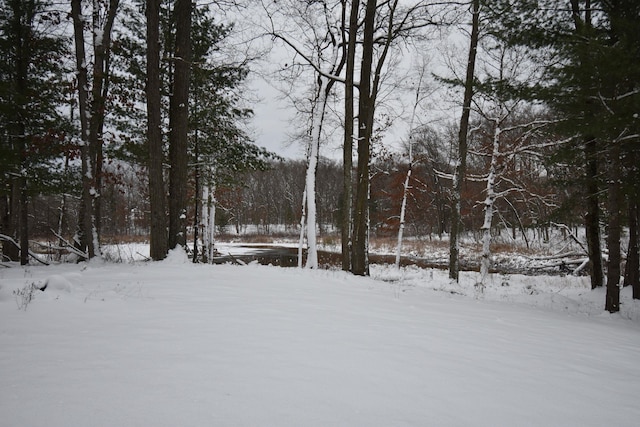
(548, 122)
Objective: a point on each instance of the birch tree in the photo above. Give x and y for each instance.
(383, 24)
(407, 180)
(320, 50)
(512, 131)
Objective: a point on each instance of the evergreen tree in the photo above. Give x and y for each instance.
(32, 132)
(218, 150)
(592, 52)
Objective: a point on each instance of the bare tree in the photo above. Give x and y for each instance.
(91, 104)
(366, 111)
(407, 180)
(349, 33)
(461, 164)
(384, 23)
(321, 51)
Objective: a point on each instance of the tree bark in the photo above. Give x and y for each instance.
(179, 124)
(632, 272)
(489, 203)
(85, 215)
(583, 28)
(592, 217)
(22, 26)
(461, 165)
(99, 91)
(612, 304)
(347, 149)
(324, 88)
(92, 112)
(359, 262)
(9, 249)
(7, 253)
(24, 213)
(157, 201)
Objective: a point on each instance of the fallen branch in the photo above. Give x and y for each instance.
(580, 267)
(573, 237)
(558, 256)
(144, 256)
(71, 247)
(236, 260)
(564, 263)
(29, 252)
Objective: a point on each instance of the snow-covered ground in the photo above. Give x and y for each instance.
(176, 344)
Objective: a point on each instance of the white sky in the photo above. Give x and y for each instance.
(274, 121)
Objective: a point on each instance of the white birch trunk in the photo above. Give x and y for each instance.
(204, 220)
(489, 201)
(405, 192)
(303, 219)
(403, 209)
(208, 222)
(312, 251)
(211, 226)
(316, 133)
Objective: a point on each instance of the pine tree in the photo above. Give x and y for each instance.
(592, 53)
(217, 149)
(31, 128)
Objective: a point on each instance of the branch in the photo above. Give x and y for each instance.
(573, 237)
(13, 242)
(71, 247)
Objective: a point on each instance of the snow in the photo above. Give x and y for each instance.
(174, 343)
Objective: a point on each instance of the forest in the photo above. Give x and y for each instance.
(123, 118)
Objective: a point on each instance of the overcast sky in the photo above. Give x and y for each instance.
(275, 121)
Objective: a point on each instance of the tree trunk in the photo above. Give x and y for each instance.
(24, 219)
(347, 149)
(179, 124)
(612, 304)
(489, 202)
(632, 273)
(197, 202)
(11, 251)
(92, 114)
(461, 165)
(23, 53)
(403, 208)
(310, 181)
(208, 220)
(359, 262)
(303, 221)
(157, 202)
(85, 214)
(99, 91)
(6, 254)
(406, 186)
(592, 217)
(583, 28)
